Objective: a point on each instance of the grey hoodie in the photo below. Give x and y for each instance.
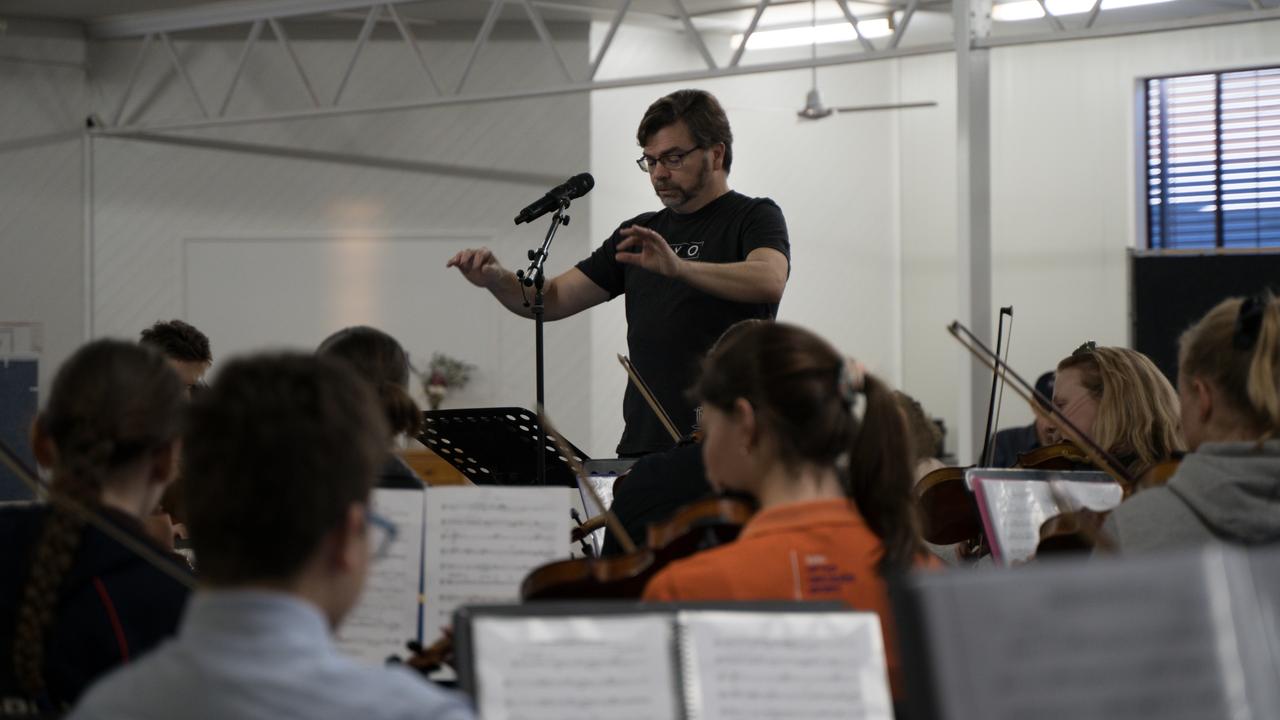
(1223, 491)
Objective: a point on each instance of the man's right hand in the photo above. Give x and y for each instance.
(478, 266)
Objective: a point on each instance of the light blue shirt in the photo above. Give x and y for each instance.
(250, 654)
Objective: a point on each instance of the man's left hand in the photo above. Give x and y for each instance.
(649, 250)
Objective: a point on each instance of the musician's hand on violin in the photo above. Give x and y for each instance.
(649, 250)
(478, 266)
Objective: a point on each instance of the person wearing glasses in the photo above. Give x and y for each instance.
(709, 258)
(282, 452)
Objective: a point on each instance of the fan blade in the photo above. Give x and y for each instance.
(893, 106)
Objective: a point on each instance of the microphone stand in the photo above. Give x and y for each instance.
(534, 277)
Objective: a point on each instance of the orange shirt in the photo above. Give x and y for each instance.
(817, 550)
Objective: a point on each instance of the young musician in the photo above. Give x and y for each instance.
(379, 359)
(1228, 486)
(780, 411)
(281, 457)
(1120, 399)
(185, 347)
(74, 601)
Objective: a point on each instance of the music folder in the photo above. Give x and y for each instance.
(623, 660)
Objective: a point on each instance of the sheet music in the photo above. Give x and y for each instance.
(386, 616)
(482, 541)
(604, 488)
(525, 668)
(1132, 638)
(784, 666)
(1015, 504)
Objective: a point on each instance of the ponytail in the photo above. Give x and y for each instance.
(880, 477)
(380, 360)
(111, 403)
(1263, 385)
(1236, 346)
(403, 415)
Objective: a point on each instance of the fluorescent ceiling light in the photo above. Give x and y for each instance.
(809, 35)
(1031, 10)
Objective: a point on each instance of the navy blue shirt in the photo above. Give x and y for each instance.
(112, 606)
(670, 325)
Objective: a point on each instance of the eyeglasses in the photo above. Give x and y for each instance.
(382, 533)
(670, 161)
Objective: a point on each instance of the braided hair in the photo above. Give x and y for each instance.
(110, 404)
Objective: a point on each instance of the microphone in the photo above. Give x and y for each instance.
(574, 187)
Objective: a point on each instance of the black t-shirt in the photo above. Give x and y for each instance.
(671, 325)
(656, 486)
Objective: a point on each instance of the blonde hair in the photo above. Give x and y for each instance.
(1236, 346)
(1138, 410)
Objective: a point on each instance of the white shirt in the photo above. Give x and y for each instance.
(253, 654)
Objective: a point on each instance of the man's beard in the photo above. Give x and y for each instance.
(682, 195)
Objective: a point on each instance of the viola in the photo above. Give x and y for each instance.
(948, 512)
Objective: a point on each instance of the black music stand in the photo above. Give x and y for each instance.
(496, 446)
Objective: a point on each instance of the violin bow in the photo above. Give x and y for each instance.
(148, 554)
(988, 436)
(1040, 405)
(610, 520)
(648, 396)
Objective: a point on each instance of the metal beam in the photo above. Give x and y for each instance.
(550, 91)
(214, 14)
(608, 37)
(693, 32)
(133, 79)
(545, 36)
(371, 161)
(972, 19)
(1236, 18)
(1053, 19)
(1093, 14)
(853, 20)
(254, 32)
(901, 30)
(751, 30)
(407, 34)
(482, 37)
(182, 70)
(278, 30)
(365, 31)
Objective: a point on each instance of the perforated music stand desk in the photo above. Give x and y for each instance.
(495, 446)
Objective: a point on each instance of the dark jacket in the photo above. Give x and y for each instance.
(112, 607)
(397, 475)
(1012, 442)
(657, 486)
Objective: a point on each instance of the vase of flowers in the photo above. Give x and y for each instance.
(443, 376)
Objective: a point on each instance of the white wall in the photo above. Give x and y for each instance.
(152, 200)
(41, 215)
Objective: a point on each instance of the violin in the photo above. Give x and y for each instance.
(695, 527)
(1064, 455)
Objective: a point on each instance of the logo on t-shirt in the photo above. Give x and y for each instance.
(689, 250)
(824, 577)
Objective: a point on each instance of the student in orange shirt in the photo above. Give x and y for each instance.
(781, 412)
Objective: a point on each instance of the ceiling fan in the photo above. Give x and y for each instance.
(814, 108)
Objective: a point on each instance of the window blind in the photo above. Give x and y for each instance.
(1213, 160)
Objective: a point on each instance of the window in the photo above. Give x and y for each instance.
(1213, 160)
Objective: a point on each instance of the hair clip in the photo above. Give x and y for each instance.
(1248, 323)
(1085, 348)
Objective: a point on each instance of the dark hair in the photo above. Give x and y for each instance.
(276, 453)
(378, 358)
(178, 341)
(111, 403)
(701, 113)
(802, 392)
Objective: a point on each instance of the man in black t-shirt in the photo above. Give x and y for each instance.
(710, 258)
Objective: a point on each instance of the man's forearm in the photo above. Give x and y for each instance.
(748, 281)
(507, 291)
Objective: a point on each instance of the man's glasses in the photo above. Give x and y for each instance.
(382, 533)
(670, 161)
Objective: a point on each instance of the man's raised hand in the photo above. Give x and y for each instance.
(478, 266)
(649, 250)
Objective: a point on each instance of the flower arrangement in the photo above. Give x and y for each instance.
(443, 376)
